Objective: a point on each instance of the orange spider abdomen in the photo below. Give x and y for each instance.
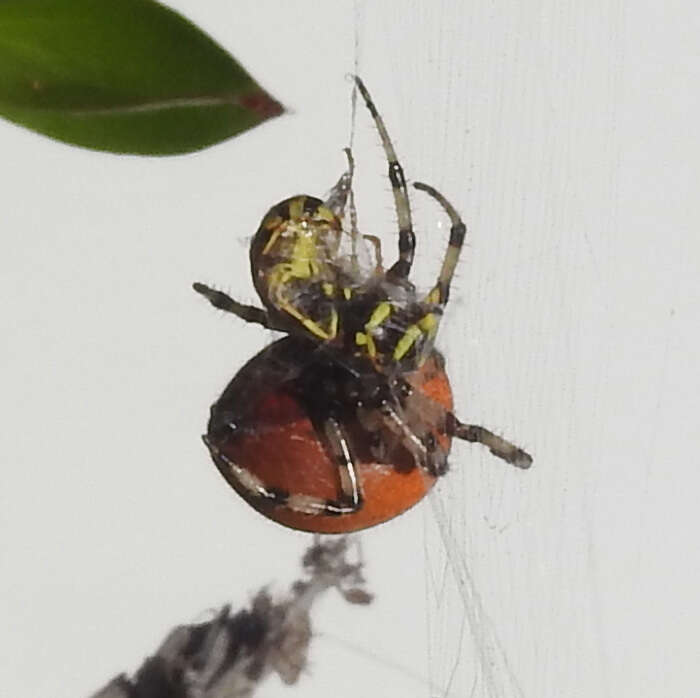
(276, 442)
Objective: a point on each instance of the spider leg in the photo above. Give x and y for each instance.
(349, 484)
(441, 291)
(252, 486)
(221, 300)
(499, 447)
(407, 239)
(377, 246)
(425, 449)
(444, 421)
(342, 189)
(353, 230)
(342, 196)
(354, 234)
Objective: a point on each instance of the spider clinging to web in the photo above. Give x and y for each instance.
(347, 421)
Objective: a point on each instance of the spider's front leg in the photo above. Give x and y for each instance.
(407, 239)
(498, 446)
(224, 302)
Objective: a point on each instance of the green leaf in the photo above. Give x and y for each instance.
(128, 76)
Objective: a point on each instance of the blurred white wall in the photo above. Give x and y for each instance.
(566, 133)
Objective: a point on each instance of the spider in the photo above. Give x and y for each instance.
(347, 421)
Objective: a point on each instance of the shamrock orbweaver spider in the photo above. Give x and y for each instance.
(347, 421)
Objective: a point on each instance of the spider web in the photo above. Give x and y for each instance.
(465, 653)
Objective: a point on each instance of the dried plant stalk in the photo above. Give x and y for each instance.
(228, 656)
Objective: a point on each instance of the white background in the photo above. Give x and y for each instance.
(567, 134)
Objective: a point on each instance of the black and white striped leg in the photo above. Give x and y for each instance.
(498, 446)
(340, 450)
(251, 485)
(424, 448)
(407, 239)
(223, 301)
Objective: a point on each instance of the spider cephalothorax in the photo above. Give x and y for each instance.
(358, 375)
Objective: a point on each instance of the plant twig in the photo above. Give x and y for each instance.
(228, 656)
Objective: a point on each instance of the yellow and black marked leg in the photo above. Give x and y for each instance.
(498, 446)
(407, 238)
(222, 301)
(441, 292)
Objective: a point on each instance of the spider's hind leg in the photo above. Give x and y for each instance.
(351, 499)
(251, 486)
(443, 421)
(498, 446)
(419, 441)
